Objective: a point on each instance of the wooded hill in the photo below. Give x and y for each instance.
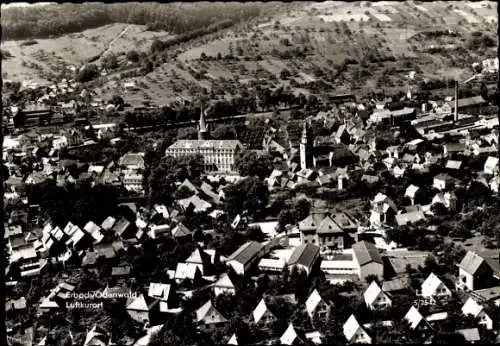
(176, 18)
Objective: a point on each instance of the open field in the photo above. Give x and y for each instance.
(381, 38)
(73, 49)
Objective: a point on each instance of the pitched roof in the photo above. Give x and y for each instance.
(260, 310)
(159, 290)
(186, 271)
(202, 314)
(138, 304)
(198, 256)
(233, 340)
(471, 307)
(366, 253)
(312, 301)
(465, 102)
(411, 191)
(411, 217)
(470, 334)
(351, 326)
(414, 317)
(246, 252)
(311, 222)
(120, 226)
(289, 336)
(471, 262)
(372, 292)
(206, 144)
(93, 334)
(224, 281)
(431, 284)
(181, 231)
(108, 223)
(198, 203)
(328, 225)
(453, 164)
(132, 159)
(188, 184)
(304, 254)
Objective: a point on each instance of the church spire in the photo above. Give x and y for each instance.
(202, 127)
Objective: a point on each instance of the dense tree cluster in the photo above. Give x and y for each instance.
(53, 20)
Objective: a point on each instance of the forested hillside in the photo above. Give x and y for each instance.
(176, 18)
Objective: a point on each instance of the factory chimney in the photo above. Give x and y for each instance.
(455, 116)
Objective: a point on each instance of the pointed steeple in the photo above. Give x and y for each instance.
(202, 129)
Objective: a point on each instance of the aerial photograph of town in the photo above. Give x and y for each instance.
(250, 173)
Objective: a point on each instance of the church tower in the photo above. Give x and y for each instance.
(306, 145)
(202, 126)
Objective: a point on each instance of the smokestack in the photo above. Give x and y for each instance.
(455, 118)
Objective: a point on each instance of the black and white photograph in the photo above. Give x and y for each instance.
(250, 173)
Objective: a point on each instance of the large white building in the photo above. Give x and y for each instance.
(218, 155)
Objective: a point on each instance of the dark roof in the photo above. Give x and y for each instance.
(304, 254)
(120, 271)
(470, 101)
(366, 253)
(246, 252)
(120, 226)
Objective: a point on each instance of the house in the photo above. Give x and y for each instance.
(442, 181)
(185, 271)
(304, 257)
(121, 227)
(245, 256)
(355, 333)
(139, 309)
(317, 306)
(414, 193)
(133, 181)
(224, 286)
(162, 292)
(367, 260)
(433, 288)
(95, 231)
(329, 234)
(410, 217)
(454, 149)
(290, 337)
(96, 337)
(208, 316)
(262, 316)
(453, 165)
(473, 272)
(376, 298)
(181, 231)
(201, 259)
(448, 199)
(486, 295)
(132, 161)
(491, 165)
(233, 340)
(315, 337)
(471, 307)
(342, 136)
(383, 210)
(471, 335)
(15, 304)
(417, 321)
(199, 205)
